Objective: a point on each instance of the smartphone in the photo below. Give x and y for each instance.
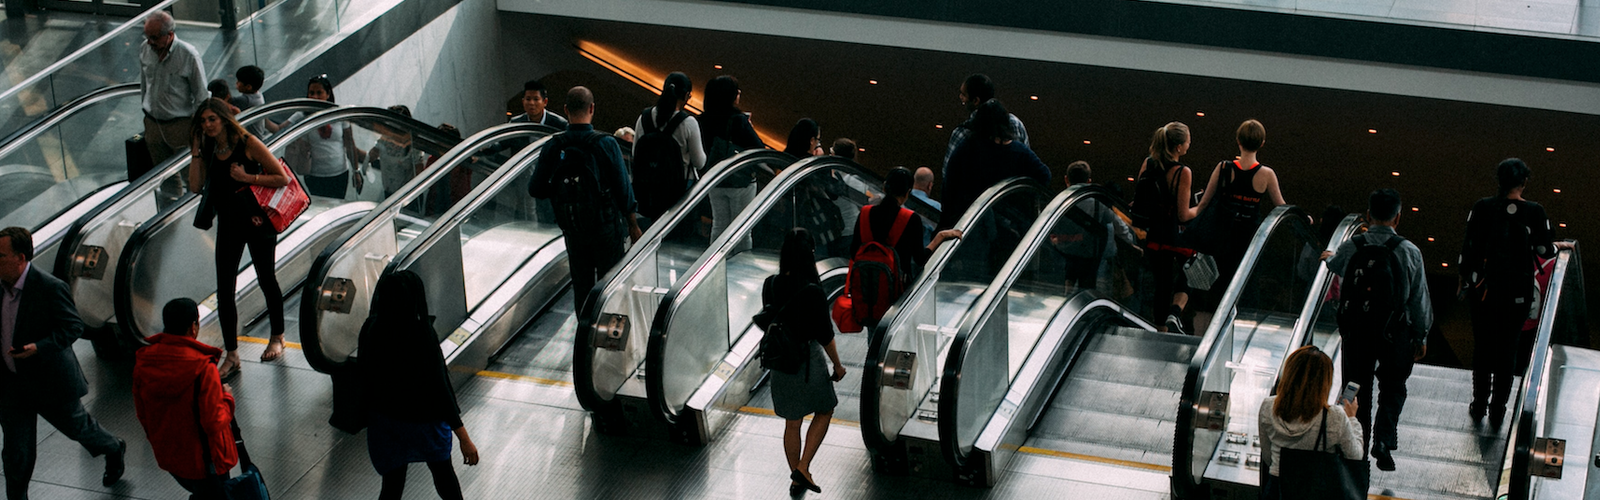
(1349, 394)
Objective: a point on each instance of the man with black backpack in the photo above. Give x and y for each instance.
(581, 172)
(668, 156)
(1505, 236)
(1384, 317)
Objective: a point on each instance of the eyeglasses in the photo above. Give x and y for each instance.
(157, 37)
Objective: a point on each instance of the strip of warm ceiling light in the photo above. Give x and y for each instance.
(650, 80)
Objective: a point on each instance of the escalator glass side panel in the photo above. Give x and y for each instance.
(1318, 323)
(70, 155)
(1247, 337)
(426, 207)
(1563, 308)
(661, 258)
(924, 321)
(824, 195)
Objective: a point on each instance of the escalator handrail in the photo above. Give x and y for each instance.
(33, 129)
(461, 150)
(103, 40)
(122, 298)
(483, 193)
(72, 236)
(878, 335)
(1529, 411)
(1206, 355)
(583, 354)
(1311, 311)
(987, 303)
(737, 229)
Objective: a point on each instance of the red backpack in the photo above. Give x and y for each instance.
(876, 279)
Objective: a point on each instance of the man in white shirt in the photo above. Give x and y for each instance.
(172, 83)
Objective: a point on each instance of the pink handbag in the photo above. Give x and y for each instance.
(282, 204)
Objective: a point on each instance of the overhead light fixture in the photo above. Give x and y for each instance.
(1372, 131)
(1563, 224)
(1552, 150)
(1415, 209)
(1086, 142)
(1395, 173)
(872, 82)
(1197, 113)
(1444, 264)
(1034, 97)
(642, 77)
(1130, 179)
(938, 126)
(717, 66)
(862, 149)
(1430, 238)
(1557, 190)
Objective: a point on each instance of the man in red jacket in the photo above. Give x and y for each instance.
(179, 398)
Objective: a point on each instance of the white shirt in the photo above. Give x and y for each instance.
(173, 87)
(327, 155)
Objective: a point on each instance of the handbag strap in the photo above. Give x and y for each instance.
(1324, 433)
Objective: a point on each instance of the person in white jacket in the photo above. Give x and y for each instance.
(1293, 417)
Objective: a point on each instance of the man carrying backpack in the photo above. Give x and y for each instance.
(668, 155)
(887, 249)
(1384, 317)
(1505, 234)
(581, 172)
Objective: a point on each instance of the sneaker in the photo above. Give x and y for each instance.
(115, 464)
(1385, 459)
(1497, 415)
(1175, 325)
(1477, 411)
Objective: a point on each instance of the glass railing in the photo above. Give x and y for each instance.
(65, 125)
(1564, 315)
(633, 289)
(1318, 324)
(709, 310)
(92, 245)
(923, 322)
(1270, 283)
(1077, 246)
(338, 291)
(335, 140)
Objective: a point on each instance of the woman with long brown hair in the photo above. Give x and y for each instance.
(227, 159)
(1293, 418)
(1171, 183)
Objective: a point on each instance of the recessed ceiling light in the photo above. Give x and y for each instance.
(872, 82)
(1552, 150)
(717, 66)
(1430, 238)
(1130, 179)
(1372, 131)
(1086, 142)
(1395, 173)
(1445, 264)
(862, 149)
(1563, 224)
(938, 126)
(1415, 209)
(1199, 113)
(1034, 97)
(1557, 190)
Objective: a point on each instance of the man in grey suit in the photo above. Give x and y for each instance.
(41, 376)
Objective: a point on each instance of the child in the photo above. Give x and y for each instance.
(248, 80)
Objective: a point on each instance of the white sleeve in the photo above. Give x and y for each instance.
(697, 151)
(638, 132)
(1347, 431)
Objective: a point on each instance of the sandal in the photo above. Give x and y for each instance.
(274, 349)
(229, 369)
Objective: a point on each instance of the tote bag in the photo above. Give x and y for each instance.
(1316, 474)
(282, 204)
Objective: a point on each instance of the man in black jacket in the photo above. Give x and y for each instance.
(38, 324)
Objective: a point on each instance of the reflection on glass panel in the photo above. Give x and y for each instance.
(67, 162)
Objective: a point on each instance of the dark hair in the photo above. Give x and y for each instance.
(325, 83)
(21, 241)
(676, 88)
(232, 131)
(1252, 135)
(1384, 205)
(1164, 144)
(178, 315)
(1512, 173)
(799, 144)
(898, 182)
(218, 88)
(844, 147)
(798, 257)
(979, 88)
(991, 122)
(579, 99)
(1079, 173)
(252, 76)
(720, 96)
(536, 86)
(1331, 217)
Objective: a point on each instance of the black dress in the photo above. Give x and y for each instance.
(795, 395)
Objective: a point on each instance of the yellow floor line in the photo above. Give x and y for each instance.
(1091, 458)
(254, 340)
(752, 410)
(525, 378)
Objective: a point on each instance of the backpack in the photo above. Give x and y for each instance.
(1370, 295)
(1509, 250)
(1152, 204)
(876, 278)
(659, 179)
(580, 202)
(781, 349)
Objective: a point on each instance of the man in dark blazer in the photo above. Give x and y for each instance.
(40, 375)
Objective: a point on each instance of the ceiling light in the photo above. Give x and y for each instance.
(1086, 142)
(717, 66)
(1395, 173)
(1034, 97)
(1552, 150)
(1199, 114)
(1430, 238)
(872, 82)
(1445, 264)
(938, 126)
(1557, 190)
(1372, 131)
(862, 149)
(1130, 179)
(1415, 209)
(1563, 224)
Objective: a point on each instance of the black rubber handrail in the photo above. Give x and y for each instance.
(878, 341)
(460, 151)
(1529, 411)
(16, 139)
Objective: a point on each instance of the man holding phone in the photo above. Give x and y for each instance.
(41, 376)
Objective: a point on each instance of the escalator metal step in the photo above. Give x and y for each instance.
(1131, 370)
(1117, 399)
(1145, 344)
(1108, 435)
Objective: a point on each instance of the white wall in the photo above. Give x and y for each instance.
(446, 72)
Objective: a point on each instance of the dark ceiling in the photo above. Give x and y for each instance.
(1318, 140)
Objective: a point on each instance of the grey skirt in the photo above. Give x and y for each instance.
(794, 396)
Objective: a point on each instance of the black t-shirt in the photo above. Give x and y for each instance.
(806, 314)
(1495, 251)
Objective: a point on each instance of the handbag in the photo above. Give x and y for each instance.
(282, 205)
(1201, 271)
(1319, 475)
(249, 484)
(207, 213)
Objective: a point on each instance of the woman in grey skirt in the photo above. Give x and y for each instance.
(809, 391)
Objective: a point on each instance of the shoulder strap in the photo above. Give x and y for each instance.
(866, 224)
(1324, 434)
(901, 220)
(677, 119)
(1359, 240)
(647, 118)
(1394, 243)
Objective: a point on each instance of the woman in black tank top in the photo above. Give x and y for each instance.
(1163, 256)
(228, 160)
(1240, 188)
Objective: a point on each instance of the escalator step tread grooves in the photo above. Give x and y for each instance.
(1117, 399)
(1130, 370)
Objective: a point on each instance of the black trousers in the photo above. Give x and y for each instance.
(234, 234)
(1391, 364)
(590, 258)
(209, 488)
(19, 421)
(1498, 349)
(1166, 268)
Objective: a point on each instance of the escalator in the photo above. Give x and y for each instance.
(167, 257)
(699, 364)
(85, 252)
(1057, 357)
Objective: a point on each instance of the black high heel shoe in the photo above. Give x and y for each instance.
(797, 490)
(801, 478)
